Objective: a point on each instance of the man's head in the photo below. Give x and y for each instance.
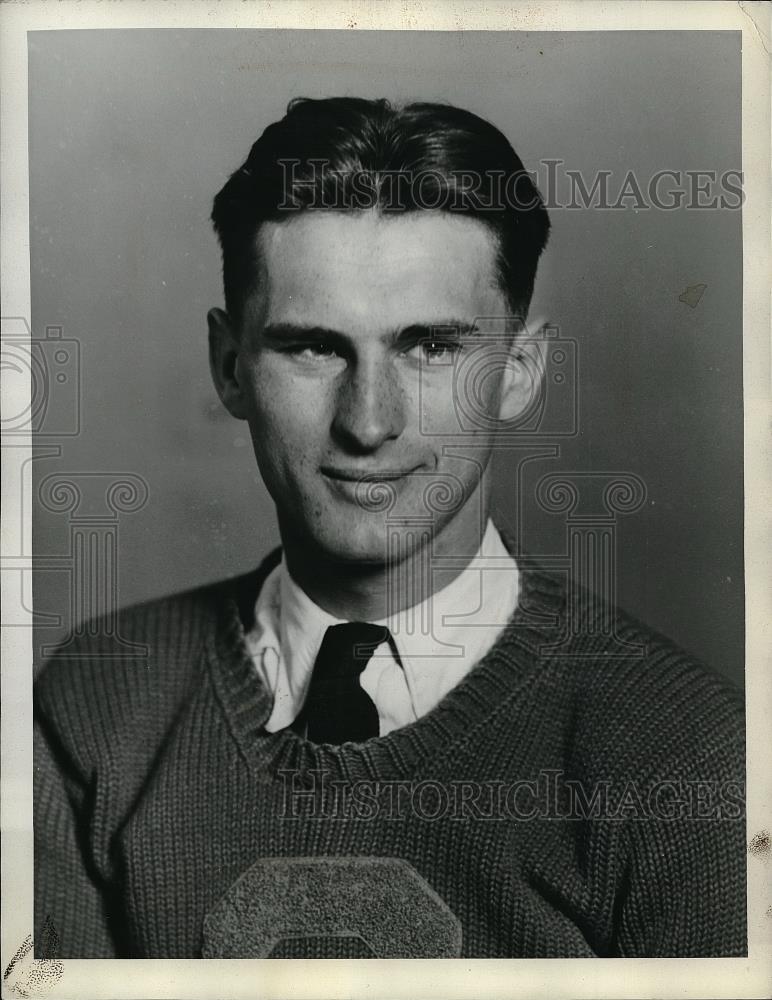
(360, 246)
(351, 154)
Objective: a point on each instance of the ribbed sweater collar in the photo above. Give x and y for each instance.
(512, 663)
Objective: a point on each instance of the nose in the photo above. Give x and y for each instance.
(370, 406)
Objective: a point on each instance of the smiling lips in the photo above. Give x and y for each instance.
(365, 475)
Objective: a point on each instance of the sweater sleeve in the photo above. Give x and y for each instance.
(67, 889)
(686, 887)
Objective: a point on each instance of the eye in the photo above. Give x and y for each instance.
(438, 351)
(314, 352)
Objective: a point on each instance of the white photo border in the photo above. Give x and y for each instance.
(698, 978)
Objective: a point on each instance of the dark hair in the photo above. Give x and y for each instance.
(349, 154)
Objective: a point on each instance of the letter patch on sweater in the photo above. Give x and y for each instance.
(331, 908)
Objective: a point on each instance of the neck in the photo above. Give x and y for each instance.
(374, 591)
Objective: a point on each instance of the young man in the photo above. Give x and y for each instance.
(395, 738)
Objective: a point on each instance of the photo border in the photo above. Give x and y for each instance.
(449, 978)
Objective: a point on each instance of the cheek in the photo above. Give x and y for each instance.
(436, 401)
(461, 408)
(289, 425)
(288, 406)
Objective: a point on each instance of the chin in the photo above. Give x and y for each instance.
(367, 545)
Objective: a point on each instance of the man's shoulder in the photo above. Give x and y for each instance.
(146, 658)
(174, 623)
(638, 701)
(659, 709)
(648, 665)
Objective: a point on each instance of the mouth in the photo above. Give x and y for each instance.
(347, 475)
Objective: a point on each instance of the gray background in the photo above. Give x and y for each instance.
(133, 132)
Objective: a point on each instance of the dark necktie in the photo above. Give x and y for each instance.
(337, 709)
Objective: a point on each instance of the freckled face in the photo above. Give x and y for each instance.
(344, 376)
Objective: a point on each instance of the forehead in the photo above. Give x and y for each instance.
(364, 270)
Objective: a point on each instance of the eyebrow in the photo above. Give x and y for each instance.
(412, 332)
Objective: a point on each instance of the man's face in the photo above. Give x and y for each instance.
(341, 374)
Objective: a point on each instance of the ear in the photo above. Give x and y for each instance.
(524, 372)
(223, 362)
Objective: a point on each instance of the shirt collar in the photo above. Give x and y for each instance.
(448, 631)
(451, 630)
(302, 624)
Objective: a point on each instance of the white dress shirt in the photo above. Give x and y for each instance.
(437, 641)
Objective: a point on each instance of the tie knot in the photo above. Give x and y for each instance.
(347, 649)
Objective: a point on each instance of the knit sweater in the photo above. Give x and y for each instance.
(578, 793)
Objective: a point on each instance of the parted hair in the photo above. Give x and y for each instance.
(352, 154)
